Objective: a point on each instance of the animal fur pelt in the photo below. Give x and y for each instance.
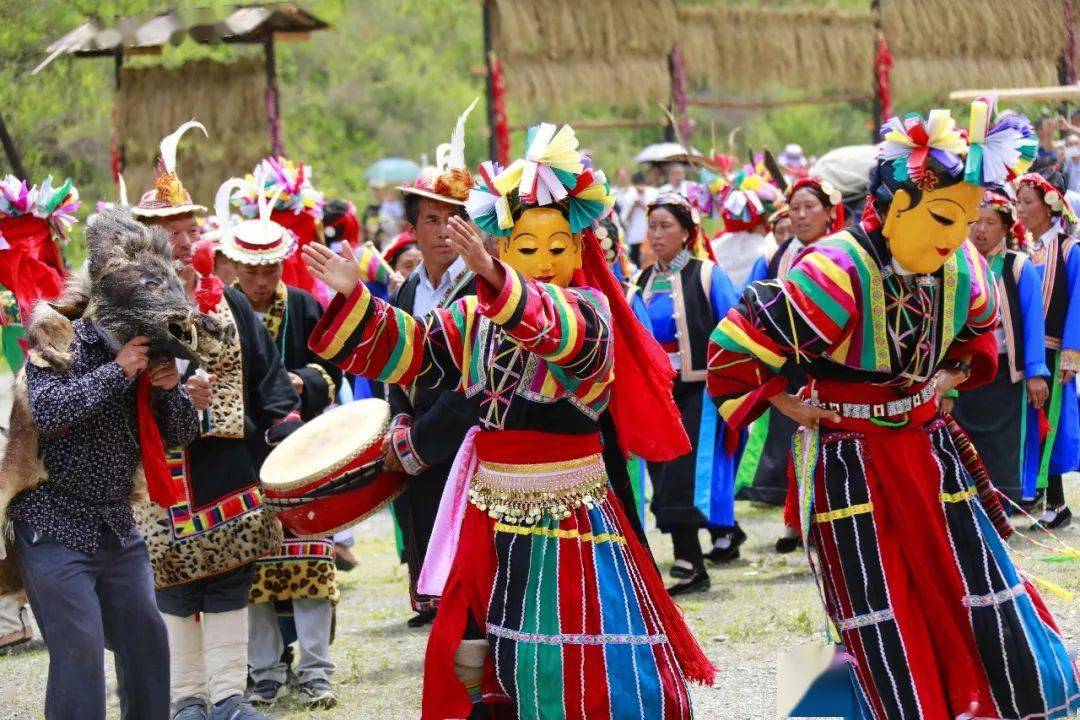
(130, 288)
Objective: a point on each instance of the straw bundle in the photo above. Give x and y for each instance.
(558, 52)
(749, 49)
(228, 98)
(943, 45)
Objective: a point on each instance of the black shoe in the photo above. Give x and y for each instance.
(266, 692)
(1054, 519)
(787, 545)
(420, 619)
(681, 570)
(318, 693)
(698, 583)
(719, 555)
(1031, 505)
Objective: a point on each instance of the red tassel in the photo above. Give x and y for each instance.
(165, 490)
(643, 374)
(694, 663)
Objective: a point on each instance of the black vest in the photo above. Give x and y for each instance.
(695, 319)
(1057, 304)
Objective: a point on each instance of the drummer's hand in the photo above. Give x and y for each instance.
(339, 272)
(805, 415)
(391, 463)
(945, 405)
(1038, 392)
(200, 388)
(1067, 376)
(297, 383)
(466, 241)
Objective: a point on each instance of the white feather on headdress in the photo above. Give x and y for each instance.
(221, 199)
(170, 142)
(123, 190)
(452, 154)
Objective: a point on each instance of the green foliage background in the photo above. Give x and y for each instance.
(389, 79)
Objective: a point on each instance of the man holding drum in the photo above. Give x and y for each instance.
(429, 424)
(204, 549)
(301, 570)
(548, 598)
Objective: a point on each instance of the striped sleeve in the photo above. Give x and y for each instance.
(974, 342)
(367, 336)
(806, 315)
(568, 327)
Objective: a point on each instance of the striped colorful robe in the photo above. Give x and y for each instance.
(576, 616)
(933, 613)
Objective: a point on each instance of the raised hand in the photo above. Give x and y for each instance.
(467, 243)
(201, 390)
(164, 375)
(341, 273)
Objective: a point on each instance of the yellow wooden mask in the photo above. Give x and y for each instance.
(541, 247)
(923, 237)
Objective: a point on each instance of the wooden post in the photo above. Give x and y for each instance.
(876, 112)
(17, 168)
(116, 147)
(273, 107)
(489, 90)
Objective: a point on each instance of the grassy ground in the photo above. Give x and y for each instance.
(758, 607)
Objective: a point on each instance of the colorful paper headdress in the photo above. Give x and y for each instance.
(450, 180)
(288, 182)
(747, 199)
(259, 241)
(56, 206)
(988, 156)
(1000, 152)
(552, 172)
(169, 197)
(1054, 198)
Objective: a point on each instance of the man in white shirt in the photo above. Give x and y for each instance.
(634, 213)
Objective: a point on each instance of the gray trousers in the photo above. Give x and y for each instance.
(265, 646)
(85, 603)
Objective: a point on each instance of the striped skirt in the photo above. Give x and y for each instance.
(936, 618)
(576, 617)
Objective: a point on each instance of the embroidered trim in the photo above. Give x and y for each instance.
(997, 598)
(559, 533)
(291, 550)
(411, 462)
(186, 524)
(576, 638)
(861, 621)
(962, 496)
(1070, 360)
(880, 331)
(842, 513)
(331, 386)
(516, 494)
(948, 302)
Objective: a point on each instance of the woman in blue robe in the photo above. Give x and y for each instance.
(1043, 210)
(685, 297)
(1003, 417)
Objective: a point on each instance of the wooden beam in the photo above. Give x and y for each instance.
(1029, 94)
(600, 124)
(767, 104)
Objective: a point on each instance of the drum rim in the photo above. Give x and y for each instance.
(356, 521)
(289, 485)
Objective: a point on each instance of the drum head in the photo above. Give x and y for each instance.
(326, 444)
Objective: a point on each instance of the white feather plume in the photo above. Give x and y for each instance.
(123, 190)
(452, 154)
(169, 143)
(223, 196)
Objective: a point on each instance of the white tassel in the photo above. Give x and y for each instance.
(169, 143)
(452, 154)
(123, 191)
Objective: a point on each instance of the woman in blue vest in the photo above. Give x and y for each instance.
(1002, 417)
(1042, 208)
(685, 296)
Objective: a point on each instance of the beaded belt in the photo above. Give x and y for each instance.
(867, 411)
(524, 493)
